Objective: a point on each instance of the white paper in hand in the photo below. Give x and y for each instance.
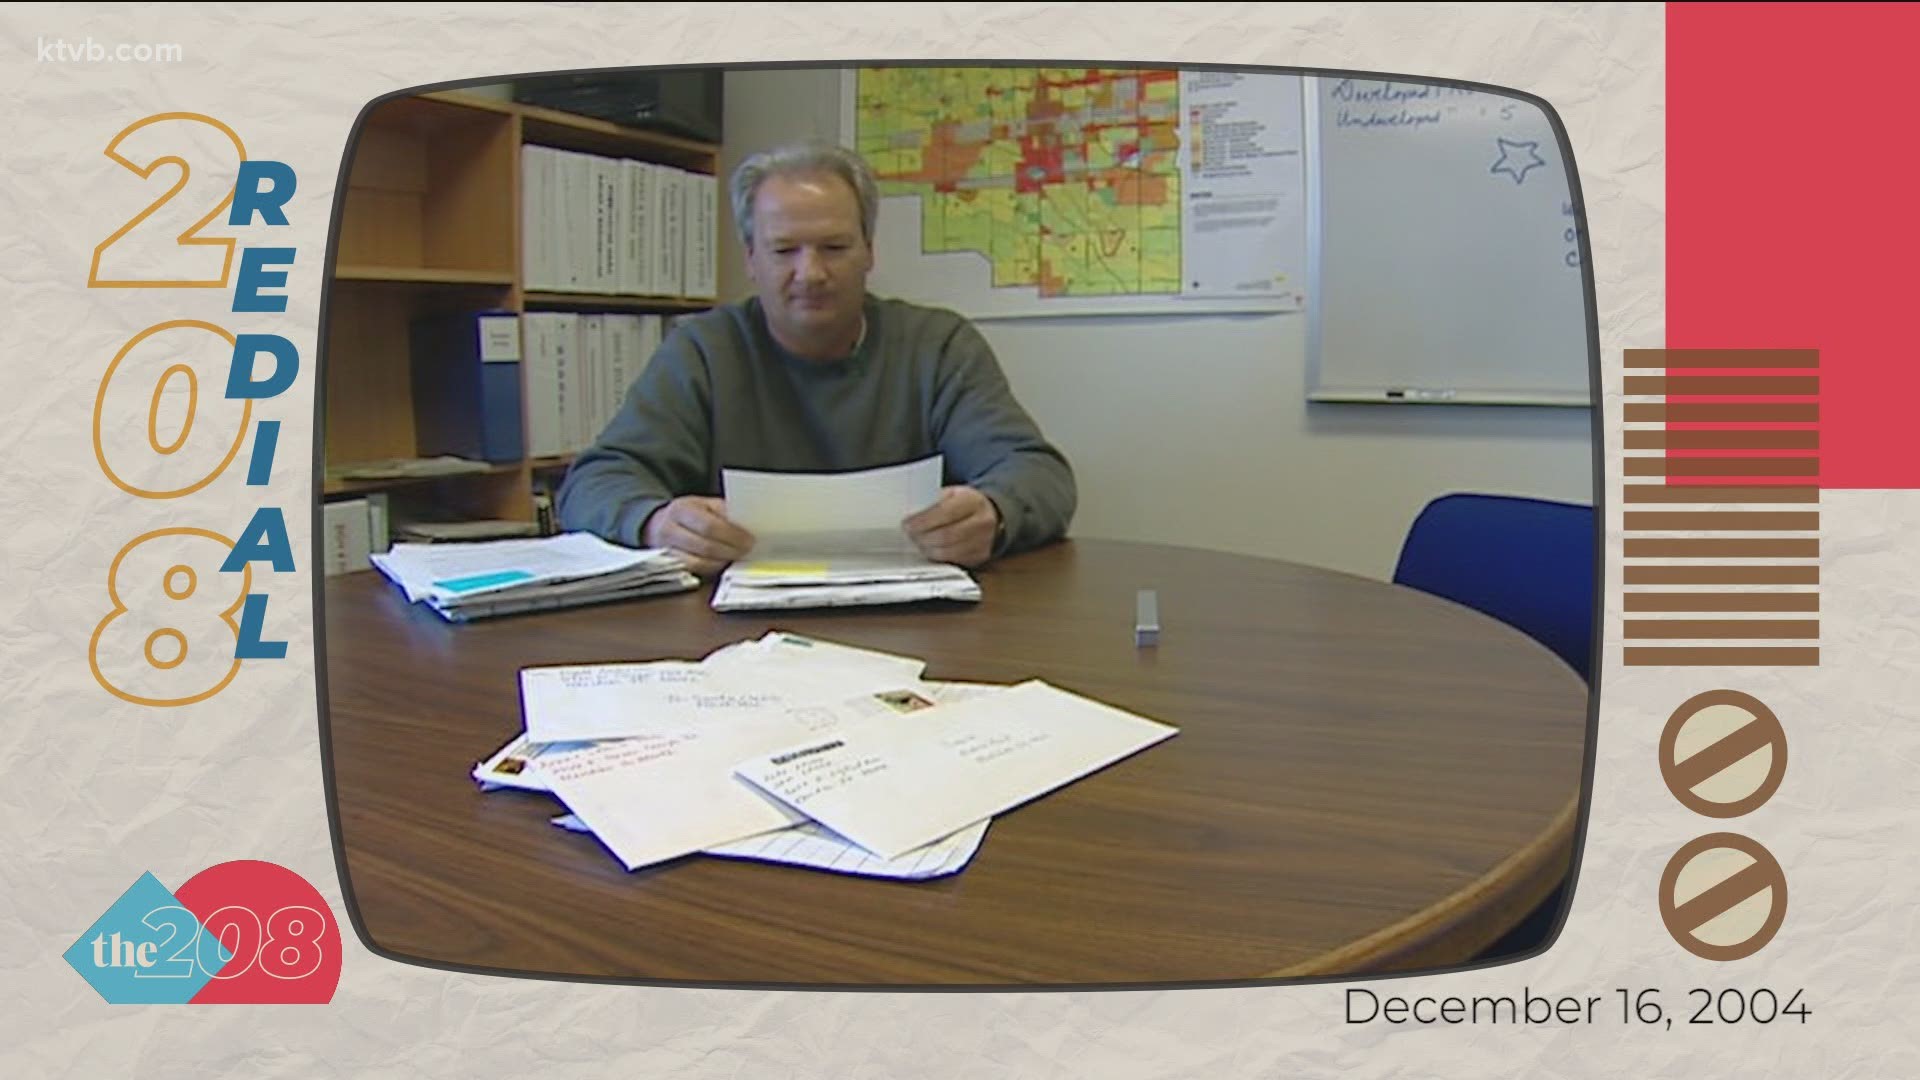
(819, 515)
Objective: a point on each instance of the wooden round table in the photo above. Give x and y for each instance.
(1367, 778)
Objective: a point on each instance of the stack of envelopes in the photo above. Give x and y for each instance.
(792, 749)
(780, 585)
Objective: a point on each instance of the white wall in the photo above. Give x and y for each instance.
(1195, 430)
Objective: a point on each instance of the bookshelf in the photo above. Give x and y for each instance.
(432, 225)
(557, 301)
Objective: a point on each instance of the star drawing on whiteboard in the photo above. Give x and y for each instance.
(1516, 158)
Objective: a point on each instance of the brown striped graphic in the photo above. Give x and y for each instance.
(1723, 520)
(1710, 548)
(1733, 466)
(1726, 358)
(1759, 656)
(1725, 439)
(1724, 385)
(1721, 412)
(1706, 493)
(1710, 629)
(1722, 575)
(1730, 463)
(1722, 601)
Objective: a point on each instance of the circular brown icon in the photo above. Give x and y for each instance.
(1723, 897)
(1723, 753)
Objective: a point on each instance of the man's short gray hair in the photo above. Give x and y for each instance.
(798, 159)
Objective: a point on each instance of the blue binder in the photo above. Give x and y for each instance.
(467, 400)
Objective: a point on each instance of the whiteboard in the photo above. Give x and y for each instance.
(1443, 245)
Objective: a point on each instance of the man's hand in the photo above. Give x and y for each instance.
(696, 528)
(958, 529)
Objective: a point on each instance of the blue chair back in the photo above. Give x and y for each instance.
(1526, 562)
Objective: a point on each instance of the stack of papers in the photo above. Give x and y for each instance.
(443, 532)
(786, 585)
(794, 750)
(835, 540)
(406, 468)
(477, 580)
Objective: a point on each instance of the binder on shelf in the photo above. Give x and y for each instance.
(565, 341)
(606, 226)
(594, 371)
(466, 386)
(671, 250)
(537, 165)
(379, 523)
(574, 220)
(607, 174)
(544, 433)
(642, 224)
(345, 536)
(623, 345)
(543, 519)
(701, 281)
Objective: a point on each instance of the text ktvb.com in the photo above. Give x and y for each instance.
(62, 51)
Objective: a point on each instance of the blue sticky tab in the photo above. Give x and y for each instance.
(482, 581)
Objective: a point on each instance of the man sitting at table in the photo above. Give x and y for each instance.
(814, 374)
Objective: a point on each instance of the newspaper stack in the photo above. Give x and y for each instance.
(466, 581)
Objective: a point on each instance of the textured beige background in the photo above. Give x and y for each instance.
(98, 791)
